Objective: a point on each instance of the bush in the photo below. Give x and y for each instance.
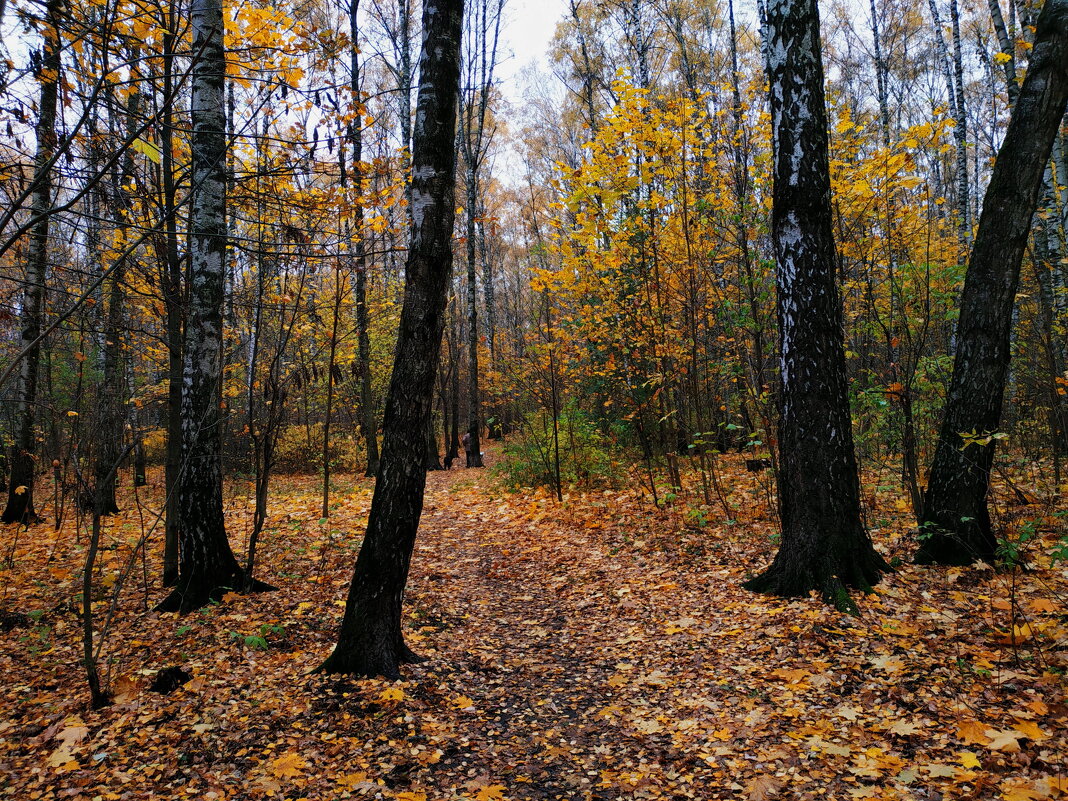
(585, 453)
(300, 450)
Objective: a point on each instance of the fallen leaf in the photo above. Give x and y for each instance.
(289, 765)
(763, 788)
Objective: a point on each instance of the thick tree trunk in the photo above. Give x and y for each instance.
(207, 567)
(957, 526)
(19, 507)
(824, 545)
(370, 642)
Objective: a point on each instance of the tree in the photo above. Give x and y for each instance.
(19, 507)
(957, 526)
(207, 567)
(484, 24)
(370, 641)
(824, 545)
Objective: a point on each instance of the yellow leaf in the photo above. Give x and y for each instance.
(492, 792)
(148, 149)
(410, 796)
(968, 759)
(1030, 730)
(391, 694)
(288, 765)
(462, 702)
(20, 490)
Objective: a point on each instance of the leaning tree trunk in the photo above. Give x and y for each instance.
(206, 567)
(957, 526)
(370, 642)
(824, 545)
(19, 507)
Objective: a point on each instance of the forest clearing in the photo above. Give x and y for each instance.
(595, 649)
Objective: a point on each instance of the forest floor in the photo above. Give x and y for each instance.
(596, 649)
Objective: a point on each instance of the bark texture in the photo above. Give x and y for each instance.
(824, 545)
(206, 566)
(957, 527)
(370, 642)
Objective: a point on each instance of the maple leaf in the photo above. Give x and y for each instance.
(1031, 731)
(1007, 740)
(391, 694)
(492, 792)
(411, 796)
(763, 788)
(289, 765)
(1024, 790)
(968, 759)
(973, 732)
(905, 728)
(462, 702)
(939, 771)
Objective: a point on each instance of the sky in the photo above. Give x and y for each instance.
(529, 26)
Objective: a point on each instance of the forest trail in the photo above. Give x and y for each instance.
(599, 649)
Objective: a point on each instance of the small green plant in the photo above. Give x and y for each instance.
(585, 452)
(260, 641)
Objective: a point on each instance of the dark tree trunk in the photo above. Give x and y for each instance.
(19, 507)
(957, 526)
(171, 279)
(370, 642)
(207, 567)
(110, 407)
(824, 545)
(368, 423)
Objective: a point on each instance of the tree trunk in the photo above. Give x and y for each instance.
(474, 423)
(19, 507)
(207, 567)
(824, 545)
(173, 301)
(960, 128)
(368, 423)
(956, 518)
(370, 641)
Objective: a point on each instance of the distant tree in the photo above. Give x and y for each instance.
(956, 518)
(824, 545)
(370, 642)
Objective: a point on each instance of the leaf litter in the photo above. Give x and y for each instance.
(599, 649)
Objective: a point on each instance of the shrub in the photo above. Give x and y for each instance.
(585, 453)
(300, 450)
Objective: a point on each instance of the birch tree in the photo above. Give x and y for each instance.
(957, 528)
(370, 641)
(824, 545)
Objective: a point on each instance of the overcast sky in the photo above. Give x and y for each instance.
(529, 26)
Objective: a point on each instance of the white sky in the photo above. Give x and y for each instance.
(529, 25)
